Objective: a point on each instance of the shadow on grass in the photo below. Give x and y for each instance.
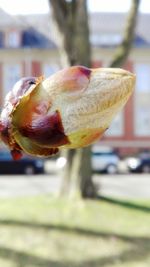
(138, 247)
(25, 259)
(126, 204)
(139, 251)
(74, 230)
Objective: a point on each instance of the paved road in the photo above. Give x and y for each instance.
(127, 186)
(21, 185)
(130, 186)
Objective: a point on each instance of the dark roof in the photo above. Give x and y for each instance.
(32, 38)
(106, 29)
(100, 24)
(140, 42)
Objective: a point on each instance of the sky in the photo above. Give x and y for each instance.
(41, 6)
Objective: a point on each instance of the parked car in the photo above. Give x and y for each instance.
(105, 160)
(26, 165)
(139, 164)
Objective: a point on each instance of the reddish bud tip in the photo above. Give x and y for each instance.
(85, 71)
(1, 126)
(16, 154)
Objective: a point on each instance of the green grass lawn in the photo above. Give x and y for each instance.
(49, 232)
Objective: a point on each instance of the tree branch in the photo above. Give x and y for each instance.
(60, 12)
(124, 48)
(82, 48)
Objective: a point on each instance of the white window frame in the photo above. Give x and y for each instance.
(142, 100)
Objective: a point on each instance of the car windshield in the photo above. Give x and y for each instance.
(144, 155)
(104, 154)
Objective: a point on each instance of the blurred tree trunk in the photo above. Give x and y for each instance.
(71, 21)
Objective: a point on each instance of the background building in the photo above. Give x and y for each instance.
(28, 47)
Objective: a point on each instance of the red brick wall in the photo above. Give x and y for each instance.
(96, 64)
(23, 69)
(36, 68)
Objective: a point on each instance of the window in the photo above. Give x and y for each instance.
(13, 39)
(49, 69)
(106, 39)
(142, 100)
(117, 126)
(12, 73)
(143, 77)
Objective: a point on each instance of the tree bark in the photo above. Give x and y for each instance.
(124, 49)
(71, 19)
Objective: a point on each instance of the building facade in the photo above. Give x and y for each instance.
(26, 51)
(130, 130)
